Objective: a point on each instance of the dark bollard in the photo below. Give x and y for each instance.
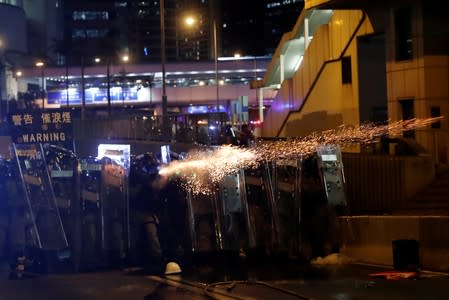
(406, 255)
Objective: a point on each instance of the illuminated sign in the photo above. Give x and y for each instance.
(96, 95)
(44, 126)
(120, 153)
(165, 154)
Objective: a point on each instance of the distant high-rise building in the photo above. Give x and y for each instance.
(279, 18)
(242, 29)
(94, 28)
(197, 41)
(255, 28)
(42, 20)
(144, 29)
(112, 27)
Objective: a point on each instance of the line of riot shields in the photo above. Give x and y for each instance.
(62, 213)
(67, 213)
(284, 209)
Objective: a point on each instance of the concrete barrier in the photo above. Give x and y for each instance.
(368, 239)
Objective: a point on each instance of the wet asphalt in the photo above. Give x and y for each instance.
(225, 280)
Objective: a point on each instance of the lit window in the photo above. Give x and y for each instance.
(89, 33)
(120, 4)
(90, 15)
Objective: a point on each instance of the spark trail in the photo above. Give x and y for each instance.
(201, 170)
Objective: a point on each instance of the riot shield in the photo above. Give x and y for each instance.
(91, 222)
(63, 165)
(46, 229)
(262, 227)
(203, 222)
(114, 211)
(331, 167)
(5, 207)
(287, 191)
(104, 198)
(233, 212)
(319, 232)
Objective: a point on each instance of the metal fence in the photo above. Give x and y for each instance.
(202, 128)
(382, 184)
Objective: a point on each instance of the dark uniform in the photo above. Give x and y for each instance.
(153, 201)
(246, 136)
(145, 206)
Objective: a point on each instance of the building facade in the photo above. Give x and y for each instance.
(134, 27)
(351, 62)
(28, 30)
(255, 28)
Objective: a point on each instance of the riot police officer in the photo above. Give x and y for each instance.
(150, 196)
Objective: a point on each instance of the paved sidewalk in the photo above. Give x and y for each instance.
(268, 281)
(341, 281)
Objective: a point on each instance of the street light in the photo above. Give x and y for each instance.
(125, 59)
(216, 66)
(83, 91)
(164, 92)
(108, 82)
(2, 73)
(190, 21)
(41, 65)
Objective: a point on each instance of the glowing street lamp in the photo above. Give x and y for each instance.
(108, 82)
(40, 64)
(190, 21)
(2, 73)
(164, 90)
(125, 59)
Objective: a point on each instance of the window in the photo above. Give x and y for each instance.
(346, 72)
(88, 33)
(408, 112)
(403, 33)
(434, 113)
(90, 15)
(120, 4)
(11, 2)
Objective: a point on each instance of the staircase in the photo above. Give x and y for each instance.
(432, 200)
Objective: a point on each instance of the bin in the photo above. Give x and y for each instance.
(406, 255)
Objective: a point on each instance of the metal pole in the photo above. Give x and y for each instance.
(216, 66)
(2, 73)
(43, 87)
(83, 92)
(108, 86)
(67, 81)
(164, 92)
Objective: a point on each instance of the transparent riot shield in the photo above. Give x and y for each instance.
(6, 209)
(331, 167)
(203, 222)
(19, 228)
(114, 211)
(287, 192)
(90, 185)
(45, 226)
(233, 212)
(263, 225)
(63, 165)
